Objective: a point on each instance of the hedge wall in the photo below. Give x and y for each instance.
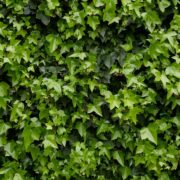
(89, 89)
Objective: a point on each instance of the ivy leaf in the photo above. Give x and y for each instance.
(27, 136)
(3, 102)
(54, 42)
(126, 171)
(163, 4)
(4, 127)
(18, 176)
(44, 19)
(104, 127)
(52, 4)
(119, 156)
(173, 70)
(11, 150)
(4, 87)
(49, 141)
(93, 21)
(113, 101)
(81, 129)
(94, 108)
(151, 19)
(116, 134)
(109, 11)
(150, 134)
(81, 55)
(98, 3)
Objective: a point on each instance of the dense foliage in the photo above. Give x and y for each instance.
(89, 89)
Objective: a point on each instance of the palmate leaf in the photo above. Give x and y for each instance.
(173, 70)
(99, 3)
(49, 141)
(54, 41)
(113, 101)
(52, 4)
(4, 127)
(4, 87)
(81, 129)
(119, 156)
(93, 21)
(149, 133)
(96, 109)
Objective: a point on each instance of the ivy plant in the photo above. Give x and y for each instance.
(89, 89)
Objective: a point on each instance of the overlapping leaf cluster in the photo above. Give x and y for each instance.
(89, 89)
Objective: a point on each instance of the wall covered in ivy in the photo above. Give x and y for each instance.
(89, 89)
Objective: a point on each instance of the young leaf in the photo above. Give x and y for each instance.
(4, 127)
(93, 21)
(150, 134)
(119, 156)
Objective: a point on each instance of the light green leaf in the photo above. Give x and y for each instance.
(173, 70)
(3, 102)
(93, 21)
(113, 101)
(11, 150)
(81, 129)
(50, 141)
(150, 134)
(163, 4)
(96, 109)
(81, 55)
(98, 3)
(164, 79)
(104, 127)
(18, 176)
(4, 87)
(54, 42)
(27, 136)
(4, 170)
(126, 171)
(4, 127)
(52, 4)
(119, 156)
(151, 19)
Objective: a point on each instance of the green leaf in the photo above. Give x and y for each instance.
(52, 4)
(109, 12)
(113, 101)
(150, 134)
(126, 171)
(81, 129)
(163, 4)
(164, 79)
(54, 42)
(27, 136)
(119, 156)
(96, 109)
(81, 55)
(4, 87)
(3, 103)
(98, 3)
(4, 127)
(104, 127)
(151, 19)
(173, 70)
(44, 19)
(11, 150)
(93, 21)
(4, 170)
(18, 176)
(49, 141)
